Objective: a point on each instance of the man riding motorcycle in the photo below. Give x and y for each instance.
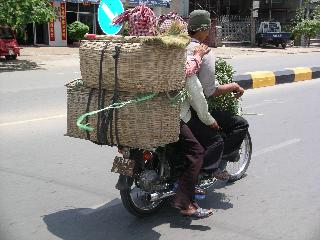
(234, 127)
(155, 178)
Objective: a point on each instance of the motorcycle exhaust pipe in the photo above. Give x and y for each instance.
(153, 197)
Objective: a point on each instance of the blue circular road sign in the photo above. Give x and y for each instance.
(108, 10)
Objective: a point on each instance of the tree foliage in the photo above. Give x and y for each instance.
(308, 27)
(18, 13)
(307, 23)
(77, 30)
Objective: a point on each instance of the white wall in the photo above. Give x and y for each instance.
(57, 31)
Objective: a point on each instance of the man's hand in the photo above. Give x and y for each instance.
(215, 125)
(239, 92)
(201, 50)
(229, 88)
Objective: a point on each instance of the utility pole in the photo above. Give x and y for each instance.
(254, 15)
(270, 10)
(253, 30)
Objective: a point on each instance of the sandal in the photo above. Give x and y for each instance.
(221, 175)
(199, 213)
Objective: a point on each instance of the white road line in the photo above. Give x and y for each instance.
(264, 103)
(31, 120)
(276, 147)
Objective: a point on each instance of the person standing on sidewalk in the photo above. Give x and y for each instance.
(234, 127)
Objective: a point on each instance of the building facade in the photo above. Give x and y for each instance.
(54, 33)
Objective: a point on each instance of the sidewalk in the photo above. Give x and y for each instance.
(224, 52)
(243, 52)
(269, 58)
(69, 56)
(49, 57)
(30, 51)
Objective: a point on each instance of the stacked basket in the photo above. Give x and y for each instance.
(118, 71)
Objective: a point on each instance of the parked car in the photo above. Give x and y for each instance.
(9, 47)
(270, 33)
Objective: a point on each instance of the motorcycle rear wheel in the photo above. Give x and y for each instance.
(136, 201)
(238, 169)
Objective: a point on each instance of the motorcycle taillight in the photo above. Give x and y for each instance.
(147, 155)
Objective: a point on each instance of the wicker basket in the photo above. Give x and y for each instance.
(143, 125)
(141, 68)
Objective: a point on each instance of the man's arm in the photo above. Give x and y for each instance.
(198, 101)
(228, 88)
(193, 63)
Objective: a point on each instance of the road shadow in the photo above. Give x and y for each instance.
(112, 221)
(217, 200)
(18, 65)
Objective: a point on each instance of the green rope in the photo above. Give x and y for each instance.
(140, 98)
(179, 98)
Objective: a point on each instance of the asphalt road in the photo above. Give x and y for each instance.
(243, 64)
(55, 187)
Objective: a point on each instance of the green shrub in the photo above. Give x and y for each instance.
(77, 30)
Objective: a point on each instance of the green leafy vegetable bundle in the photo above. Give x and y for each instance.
(227, 102)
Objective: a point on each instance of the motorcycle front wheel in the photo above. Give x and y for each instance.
(238, 169)
(137, 201)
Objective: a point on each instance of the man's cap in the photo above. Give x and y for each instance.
(199, 20)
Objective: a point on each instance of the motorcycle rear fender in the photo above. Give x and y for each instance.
(124, 182)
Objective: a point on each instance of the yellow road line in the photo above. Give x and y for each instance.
(31, 120)
(262, 79)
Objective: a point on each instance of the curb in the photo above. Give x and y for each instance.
(269, 78)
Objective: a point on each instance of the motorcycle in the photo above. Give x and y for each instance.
(149, 177)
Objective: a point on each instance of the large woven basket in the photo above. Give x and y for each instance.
(141, 68)
(143, 125)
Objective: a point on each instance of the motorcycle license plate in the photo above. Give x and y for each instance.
(11, 52)
(123, 166)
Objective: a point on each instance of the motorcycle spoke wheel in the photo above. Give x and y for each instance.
(140, 199)
(238, 169)
(137, 201)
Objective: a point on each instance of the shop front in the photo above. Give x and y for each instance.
(69, 11)
(55, 33)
